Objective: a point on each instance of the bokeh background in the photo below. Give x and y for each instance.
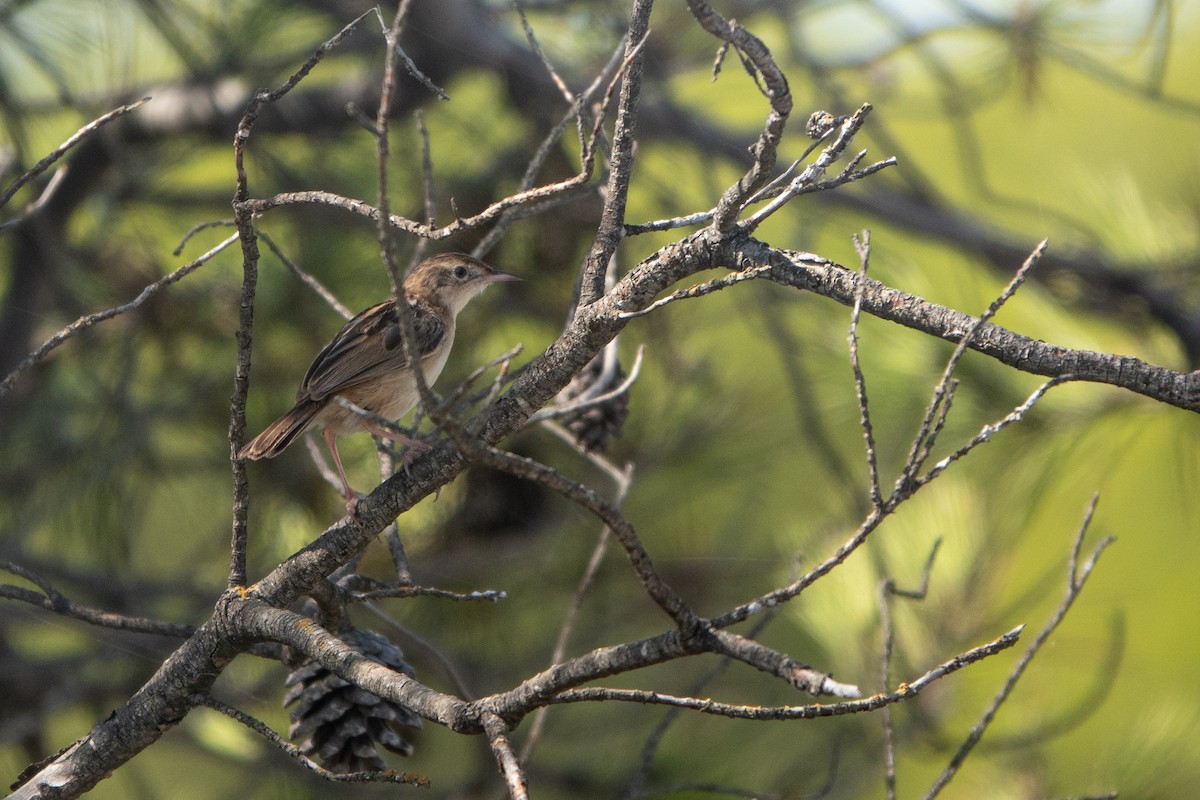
(1070, 120)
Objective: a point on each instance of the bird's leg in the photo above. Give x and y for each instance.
(415, 446)
(350, 495)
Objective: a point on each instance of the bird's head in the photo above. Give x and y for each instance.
(451, 280)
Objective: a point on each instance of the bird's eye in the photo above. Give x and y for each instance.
(460, 272)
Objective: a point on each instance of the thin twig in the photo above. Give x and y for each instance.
(426, 650)
(88, 320)
(699, 290)
(297, 755)
(1076, 577)
(658, 589)
(872, 521)
(548, 193)
(810, 179)
(195, 229)
(584, 402)
(502, 361)
(409, 590)
(988, 431)
(62, 149)
(777, 185)
(688, 221)
(307, 278)
(244, 215)
(393, 37)
(569, 619)
(610, 469)
(620, 161)
(888, 589)
(387, 245)
(52, 600)
(577, 112)
(862, 244)
(536, 46)
(428, 193)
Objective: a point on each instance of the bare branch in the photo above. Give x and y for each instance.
(824, 277)
(569, 188)
(506, 758)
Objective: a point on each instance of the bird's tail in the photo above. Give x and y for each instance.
(282, 432)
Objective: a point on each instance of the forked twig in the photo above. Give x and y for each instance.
(584, 401)
(935, 414)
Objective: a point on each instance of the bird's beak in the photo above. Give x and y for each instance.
(500, 277)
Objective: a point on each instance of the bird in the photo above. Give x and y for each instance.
(365, 364)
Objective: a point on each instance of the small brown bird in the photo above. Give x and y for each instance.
(365, 362)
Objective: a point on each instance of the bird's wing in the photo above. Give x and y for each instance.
(368, 347)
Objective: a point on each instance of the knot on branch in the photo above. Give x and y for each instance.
(697, 635)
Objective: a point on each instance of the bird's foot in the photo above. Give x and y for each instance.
(414, 450)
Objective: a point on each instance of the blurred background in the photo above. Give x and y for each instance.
(1073, 120)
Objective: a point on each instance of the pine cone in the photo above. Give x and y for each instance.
(596, 425)
(340, 724)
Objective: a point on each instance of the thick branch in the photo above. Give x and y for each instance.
(1021, 352)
